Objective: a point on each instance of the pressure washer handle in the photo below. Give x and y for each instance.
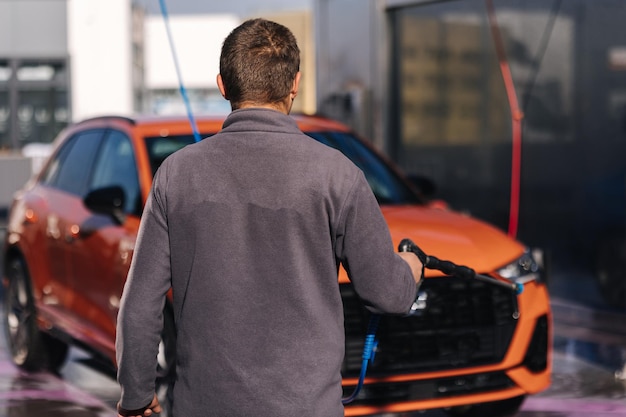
(407, 245)
(450, 268)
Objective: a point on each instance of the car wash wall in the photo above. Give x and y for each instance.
(514, 109)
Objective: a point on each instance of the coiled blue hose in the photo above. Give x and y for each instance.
(369, 352)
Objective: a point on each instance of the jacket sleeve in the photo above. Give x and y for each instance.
(381, 278)
(140, 319)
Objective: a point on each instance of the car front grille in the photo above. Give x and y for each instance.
(465, 323)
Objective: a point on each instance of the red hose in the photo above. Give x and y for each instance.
(516, 118)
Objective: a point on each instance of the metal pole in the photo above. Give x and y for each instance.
(13, 105)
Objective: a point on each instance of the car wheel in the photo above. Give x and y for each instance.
(611, 271)
(502, 408)
(30, 349)
(166, 365)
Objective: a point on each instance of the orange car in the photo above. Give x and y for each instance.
(72, 229)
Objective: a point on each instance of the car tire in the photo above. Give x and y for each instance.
(502, 408)
(30, 349)
(166, 364)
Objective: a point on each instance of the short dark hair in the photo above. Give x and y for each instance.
(259, 62)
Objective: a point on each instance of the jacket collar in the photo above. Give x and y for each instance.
(260, 119)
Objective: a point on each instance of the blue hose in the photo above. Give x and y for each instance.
(183, 91)
(369, 351)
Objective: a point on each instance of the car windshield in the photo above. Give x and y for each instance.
(387, 186)
(160, 147)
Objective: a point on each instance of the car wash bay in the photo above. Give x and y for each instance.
(589, 357)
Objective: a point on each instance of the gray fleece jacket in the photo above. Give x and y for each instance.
(249, 228)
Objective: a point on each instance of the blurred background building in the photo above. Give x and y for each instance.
(66, 60)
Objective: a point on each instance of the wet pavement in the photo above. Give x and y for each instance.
(589, 375)
(585, 384)
(35, 394)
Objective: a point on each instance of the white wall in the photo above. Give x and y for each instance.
(18, 39)
(14, 172)
(99, 43)
(197, 43)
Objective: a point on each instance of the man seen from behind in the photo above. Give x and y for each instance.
(248, 228)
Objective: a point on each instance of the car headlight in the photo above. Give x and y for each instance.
(526, 268)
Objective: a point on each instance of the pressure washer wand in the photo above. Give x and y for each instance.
(450, 268)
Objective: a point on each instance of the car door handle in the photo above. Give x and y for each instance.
(92, 225)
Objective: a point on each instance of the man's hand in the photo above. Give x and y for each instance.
(416, 266)
(153, 407)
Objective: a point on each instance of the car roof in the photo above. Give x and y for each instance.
(209, 123)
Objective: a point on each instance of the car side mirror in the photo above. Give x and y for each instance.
(424, 185)
(107, 200)
(427, 189)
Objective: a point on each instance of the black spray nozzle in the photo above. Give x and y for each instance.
(450, 268)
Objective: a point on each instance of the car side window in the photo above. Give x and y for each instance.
(116, 166)
(70, 168)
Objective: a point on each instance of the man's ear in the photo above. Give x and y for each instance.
(220, 85)
(296, 86)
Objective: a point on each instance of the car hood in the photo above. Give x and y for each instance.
(452, 236)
